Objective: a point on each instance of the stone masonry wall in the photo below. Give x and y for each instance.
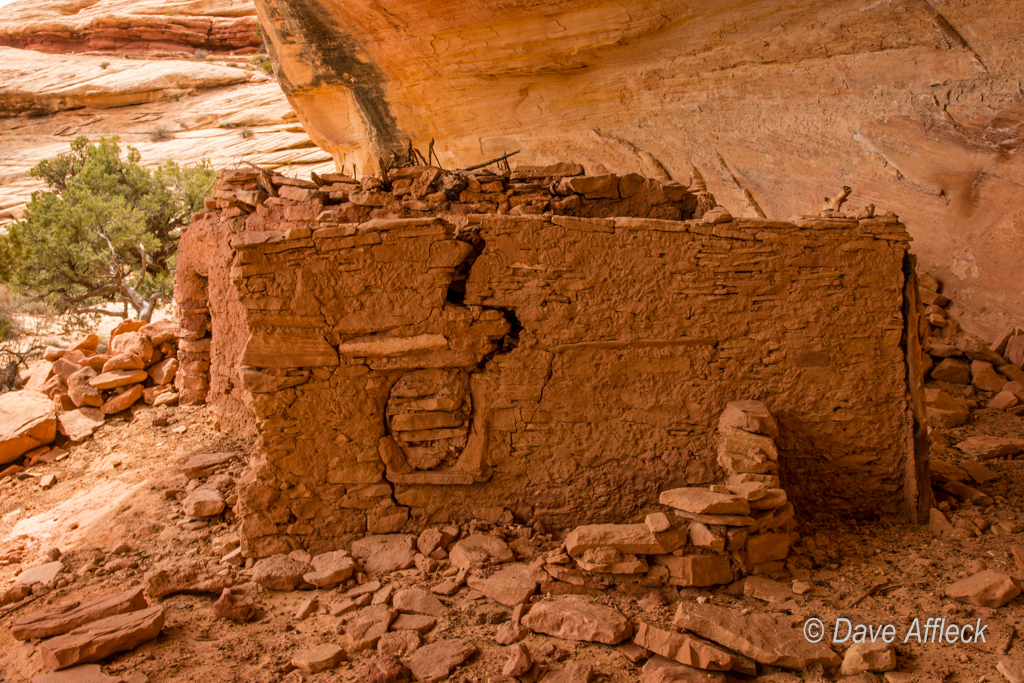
(408, 371)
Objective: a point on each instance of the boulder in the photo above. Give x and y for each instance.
(991, 446)
(123, 361)
(576, 618)
(164, 371)
(28, 420)
(953, 371)
(635, 539)
(696, 570)
(985, 377)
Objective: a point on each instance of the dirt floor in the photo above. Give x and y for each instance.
(120, 488)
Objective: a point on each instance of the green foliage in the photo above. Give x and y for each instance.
(263, 62)
(104, 65)
(106, 230)
(246, 133)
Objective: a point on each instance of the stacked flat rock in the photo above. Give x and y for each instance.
(720, 532)
(974, 374)
(87, 386)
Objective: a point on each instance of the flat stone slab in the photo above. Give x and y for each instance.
(418, 601)
(93, 642)
(384, 553)
(435, 662)
(687, 649)
(776, 641)
(58, 619)
(205, 464)
(43, 573)
(635, 539)
(118, 378)
(480, 550)
(85, 673)
(79, 425)
(991, 446)
(575, 618)
(699, 501)
(985, 589)
(320, 658)
(510, 586)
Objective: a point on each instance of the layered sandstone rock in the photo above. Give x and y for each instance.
(916, 106)
(61, 26)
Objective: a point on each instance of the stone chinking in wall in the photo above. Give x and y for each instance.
(404, 371)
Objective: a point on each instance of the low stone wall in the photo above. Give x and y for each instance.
(408, 371)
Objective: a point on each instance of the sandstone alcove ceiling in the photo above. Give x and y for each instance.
(916, 105)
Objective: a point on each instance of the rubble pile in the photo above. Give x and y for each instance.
(74, 390)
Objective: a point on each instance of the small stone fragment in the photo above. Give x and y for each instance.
(238, 608)
(519, 661)
(435, 662)
(319, 659)
(985, 589)
(868, 656)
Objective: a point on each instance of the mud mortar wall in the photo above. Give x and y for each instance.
(404, 372)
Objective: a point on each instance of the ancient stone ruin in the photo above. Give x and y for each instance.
(437, 347)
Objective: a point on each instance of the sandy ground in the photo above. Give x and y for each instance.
(111, 491)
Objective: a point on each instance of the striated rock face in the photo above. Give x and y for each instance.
(779, 104)
(61, 26)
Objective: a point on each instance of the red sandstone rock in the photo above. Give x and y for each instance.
(279, 572)
(985, 378)
(160, 331)
(749, 416)
(668, 671)
(83, 673)
(80, 424)
(382, 554)
(132, 342)
(99, 639)
(480, 550)
(27, 421)
(184, 576)
(164, 371)
(58, 619)
(574, 618)
(435, 662)
(953, 371)
(696, 570)
(510, 585)
(413, 622)
(628, 538)
(123, 361)
(81, 392)
(418, 601)
(369, 625)
(399, 642)
(991, 446)
(200, 466)
(203, 503)
(985, 589)
(764, 638)
(238, 608)
(691, 651)
(42, 574)
(868, 656)
(118, 378)
(519, 661)
(330, 569)
(387, 669)
(123, 401)
(321, 658)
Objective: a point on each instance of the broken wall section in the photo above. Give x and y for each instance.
(578, 369)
